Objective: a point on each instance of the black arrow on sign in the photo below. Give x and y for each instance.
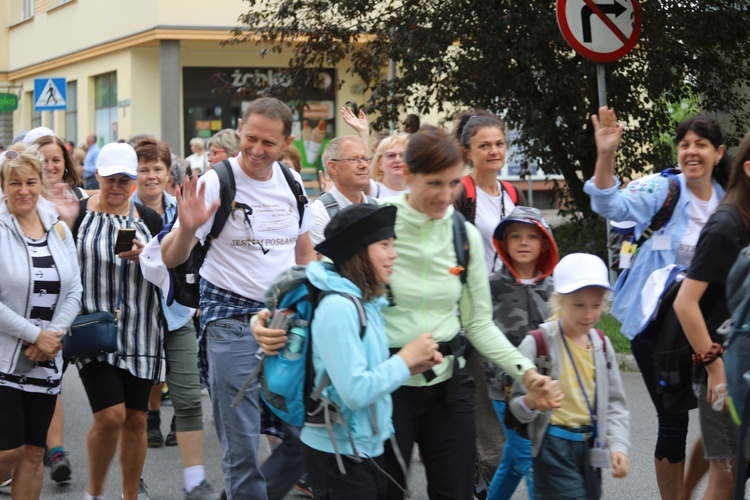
(586, 13)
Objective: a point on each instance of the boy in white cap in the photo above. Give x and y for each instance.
(591, 429)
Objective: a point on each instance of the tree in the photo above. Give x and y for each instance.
(510, 57)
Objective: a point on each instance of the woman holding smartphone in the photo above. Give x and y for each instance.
(118, 384)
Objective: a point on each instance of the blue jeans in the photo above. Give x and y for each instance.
(515, 464)
(231, 357)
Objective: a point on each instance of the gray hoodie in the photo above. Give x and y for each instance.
(17, 284)
(613, 422)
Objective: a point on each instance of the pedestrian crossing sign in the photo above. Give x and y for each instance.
(50, 94)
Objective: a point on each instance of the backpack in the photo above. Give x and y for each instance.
(672, 353)
(186, 275)
(737, 353)
(543, 365)
(470, 206)
(288, 380)
(333, 207)
(618, 239)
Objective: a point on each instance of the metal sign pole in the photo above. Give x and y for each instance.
(601, 83)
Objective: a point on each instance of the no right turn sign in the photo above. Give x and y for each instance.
(600, 30)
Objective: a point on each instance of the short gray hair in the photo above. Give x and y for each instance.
(333, 148)
(227, 139)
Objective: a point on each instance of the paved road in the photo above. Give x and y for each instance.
(163, 471)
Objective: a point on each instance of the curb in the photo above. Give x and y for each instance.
(627, 362)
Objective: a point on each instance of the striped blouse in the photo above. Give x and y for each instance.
(44, 377)
(141, 330)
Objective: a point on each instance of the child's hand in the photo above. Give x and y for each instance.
(620, 464)
(421, 354)
(544, 393)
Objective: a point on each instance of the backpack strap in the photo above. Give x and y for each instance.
(542, 361)
(661, 217)
(227, 191)
(511, 190)
(332, 206)
(603, 336)
(461, 244)
(299, 193)
(470, 199)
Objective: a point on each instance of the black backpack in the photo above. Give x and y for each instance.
(186, 275)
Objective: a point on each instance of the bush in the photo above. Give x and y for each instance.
(609, 325)
(587, 235)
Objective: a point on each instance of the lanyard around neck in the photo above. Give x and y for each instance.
(592, 413)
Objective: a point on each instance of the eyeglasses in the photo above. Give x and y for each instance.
(392, 156)
(247, 211)
(213, 152)
(354, 159)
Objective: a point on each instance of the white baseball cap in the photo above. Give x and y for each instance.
(35, 133)
(579, 270)
(117, 158)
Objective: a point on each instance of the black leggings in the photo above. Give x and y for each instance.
(673, 427)
(445, 433)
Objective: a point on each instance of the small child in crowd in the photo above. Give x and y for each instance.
(520, 292)
(591, 429)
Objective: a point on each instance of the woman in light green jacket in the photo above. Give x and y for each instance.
(436, 409)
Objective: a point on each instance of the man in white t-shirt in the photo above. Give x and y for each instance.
(346, 161)
(263, 236)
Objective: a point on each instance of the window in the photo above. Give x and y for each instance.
(71, 113)
(105, 114)
(27, 9)
(53, 4)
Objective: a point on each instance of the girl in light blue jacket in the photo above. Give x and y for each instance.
(359, 241)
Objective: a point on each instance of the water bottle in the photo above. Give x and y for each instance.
(295, 342)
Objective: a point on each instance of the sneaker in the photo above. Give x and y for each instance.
(171, 439)
(204, 491)
(142, 491)
(303, 487)
(6, 483)
(155, 437)
(60, 468)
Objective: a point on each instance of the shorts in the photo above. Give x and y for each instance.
(562, 471)
(24, 418)
(108, 386)
(719, 432)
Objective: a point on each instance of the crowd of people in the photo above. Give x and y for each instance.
(446, 318)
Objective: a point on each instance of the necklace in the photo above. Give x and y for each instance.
(34, 232)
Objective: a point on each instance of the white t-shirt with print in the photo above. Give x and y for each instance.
(488, 216)
(236, 260)
(698, 212)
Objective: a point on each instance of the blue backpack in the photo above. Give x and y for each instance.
(737, 353)
(288, 380)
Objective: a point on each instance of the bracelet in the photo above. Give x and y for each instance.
(709, 357)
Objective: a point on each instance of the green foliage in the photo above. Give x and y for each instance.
(509, 57)
(678, 111)
(587, 234)
(609, 325)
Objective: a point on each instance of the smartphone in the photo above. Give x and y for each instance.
(124, 240)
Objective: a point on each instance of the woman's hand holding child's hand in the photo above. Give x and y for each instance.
(544, 393)
(421, 354)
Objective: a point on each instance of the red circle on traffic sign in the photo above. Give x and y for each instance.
(585, 23)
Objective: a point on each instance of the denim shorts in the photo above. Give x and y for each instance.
(719, 432)
(562, 471)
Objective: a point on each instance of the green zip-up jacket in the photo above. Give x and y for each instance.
(428, 294)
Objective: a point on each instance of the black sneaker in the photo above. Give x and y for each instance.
(60, 468)
(171, 439)
(155, 437)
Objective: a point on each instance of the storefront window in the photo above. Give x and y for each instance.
(105, 114)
